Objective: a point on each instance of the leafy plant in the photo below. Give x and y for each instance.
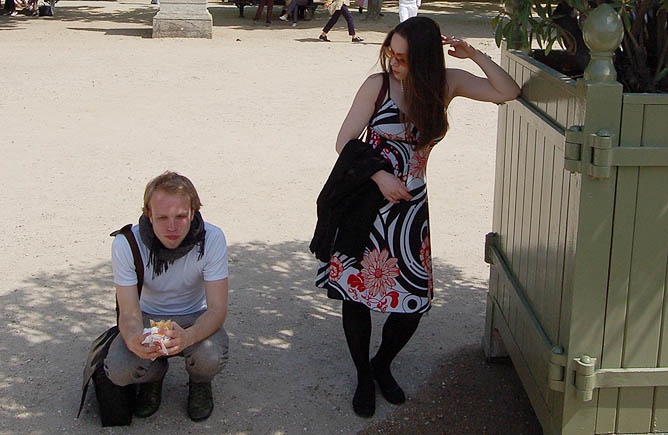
(641, 61)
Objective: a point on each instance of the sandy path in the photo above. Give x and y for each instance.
(97, 108)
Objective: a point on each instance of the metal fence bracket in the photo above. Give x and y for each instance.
(594, 154)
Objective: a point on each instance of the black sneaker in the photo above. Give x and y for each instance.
(200, 400)
(148, 398)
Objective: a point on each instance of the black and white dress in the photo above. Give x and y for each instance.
(394, 274)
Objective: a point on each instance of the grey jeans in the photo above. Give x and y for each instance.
(204, 360)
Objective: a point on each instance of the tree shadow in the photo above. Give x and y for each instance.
(466, 395)
(225, 14)
(93, 14)
(445, 13)
(288, 357)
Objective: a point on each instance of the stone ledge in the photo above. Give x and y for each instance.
(190, 27)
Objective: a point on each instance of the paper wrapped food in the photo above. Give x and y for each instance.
(157, 333)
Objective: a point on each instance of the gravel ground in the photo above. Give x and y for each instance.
(96, 108)
(465, 395)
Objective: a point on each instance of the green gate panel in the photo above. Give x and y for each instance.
(580, 251)
(530, 218)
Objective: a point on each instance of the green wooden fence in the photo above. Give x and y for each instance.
(579, 247)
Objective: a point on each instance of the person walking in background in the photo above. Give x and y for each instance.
(336, 9)
(408, 9)
(270, 7)
(293, 9)
(372, 235)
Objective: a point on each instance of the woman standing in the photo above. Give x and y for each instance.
(338, 8)
(404, 109)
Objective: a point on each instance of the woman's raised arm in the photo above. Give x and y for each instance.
(496, 87)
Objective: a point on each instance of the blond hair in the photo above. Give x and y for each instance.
(171, 182)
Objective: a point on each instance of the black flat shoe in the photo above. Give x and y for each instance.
(323, 38)
(389, 388)
(357, 39)
(364, 400)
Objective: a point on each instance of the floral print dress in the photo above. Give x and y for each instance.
(394, 274)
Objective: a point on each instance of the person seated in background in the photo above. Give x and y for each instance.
(293, 9)
(28, 6)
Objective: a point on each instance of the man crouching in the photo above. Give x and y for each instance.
(185, 280)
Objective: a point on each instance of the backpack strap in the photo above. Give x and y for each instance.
(136, 255)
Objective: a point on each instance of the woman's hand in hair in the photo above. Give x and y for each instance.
(458, 48)
(391, 187)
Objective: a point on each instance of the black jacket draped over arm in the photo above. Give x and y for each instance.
(349, 202)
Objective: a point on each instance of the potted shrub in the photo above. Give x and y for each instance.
(641, 61)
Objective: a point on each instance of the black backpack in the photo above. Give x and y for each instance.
(116, 403)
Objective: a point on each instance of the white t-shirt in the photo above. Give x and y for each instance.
(179, 289)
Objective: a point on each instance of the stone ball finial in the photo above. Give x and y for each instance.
(603, 32)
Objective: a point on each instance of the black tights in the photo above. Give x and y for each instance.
(398, 329)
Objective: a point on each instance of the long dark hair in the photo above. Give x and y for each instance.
(424, 86)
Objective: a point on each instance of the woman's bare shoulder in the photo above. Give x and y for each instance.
(371, 86)
(374, 81)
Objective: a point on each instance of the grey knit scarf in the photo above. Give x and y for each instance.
(161, 257)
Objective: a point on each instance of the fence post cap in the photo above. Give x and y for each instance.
(603, 32)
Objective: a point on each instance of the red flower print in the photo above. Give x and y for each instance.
(335, 268)
(417, 165)
(425, 254)
(374, 139)
(425, 259)
(378, 271)
(391, 297)
(356, 282)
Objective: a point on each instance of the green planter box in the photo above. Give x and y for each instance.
(578, 293)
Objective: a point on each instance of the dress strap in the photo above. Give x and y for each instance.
(383, 94)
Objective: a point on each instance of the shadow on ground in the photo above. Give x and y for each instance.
(288, 353)
(466, 395)
(225, 14)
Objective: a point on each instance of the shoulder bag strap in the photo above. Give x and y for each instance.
(136, 255)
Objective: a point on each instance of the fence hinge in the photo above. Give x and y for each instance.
(556, 369)
(593, 154)
(588, 154)
(585, 377)
(588, 378)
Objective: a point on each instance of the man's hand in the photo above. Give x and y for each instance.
(179, 339)
(145, 351)
(391, 187)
